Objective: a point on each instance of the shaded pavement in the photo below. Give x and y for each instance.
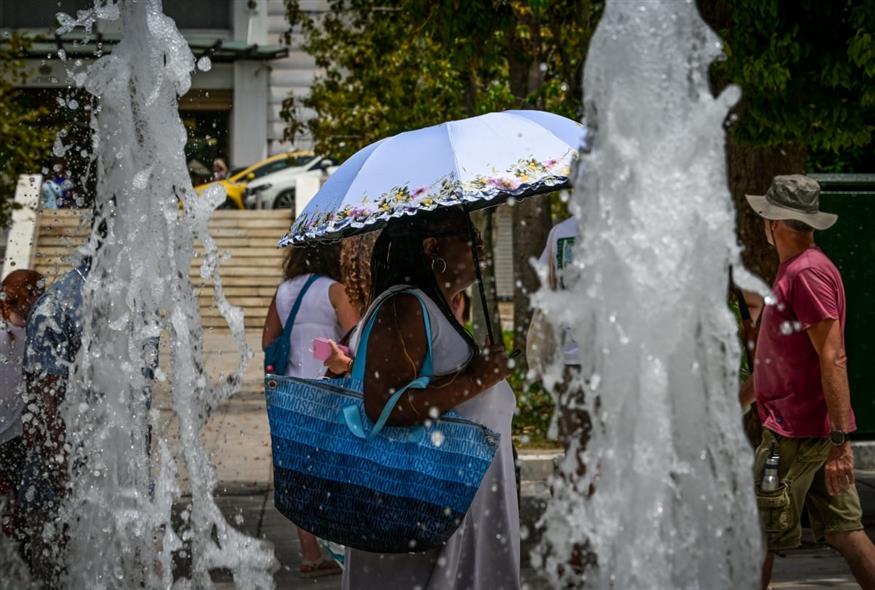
(237, 437)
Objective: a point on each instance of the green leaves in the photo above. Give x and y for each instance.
(806, 69)
(25, 141)
(393, 65)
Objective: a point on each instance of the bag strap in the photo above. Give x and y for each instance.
(358, 368)
(293, 313)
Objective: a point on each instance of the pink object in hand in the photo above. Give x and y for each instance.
(322, 348)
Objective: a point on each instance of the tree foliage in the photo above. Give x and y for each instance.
(389, 66)
(25, 142)
(807, 73)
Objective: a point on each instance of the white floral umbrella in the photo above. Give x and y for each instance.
(476, 162)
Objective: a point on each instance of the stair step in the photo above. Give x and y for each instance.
(250, 274)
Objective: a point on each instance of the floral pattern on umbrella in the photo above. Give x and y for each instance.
(527, 176)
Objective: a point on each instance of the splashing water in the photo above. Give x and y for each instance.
(673, 505)
(119, 509)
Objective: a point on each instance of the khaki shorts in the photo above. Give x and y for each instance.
(802, 485)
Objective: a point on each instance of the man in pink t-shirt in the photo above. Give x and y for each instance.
(800, 383)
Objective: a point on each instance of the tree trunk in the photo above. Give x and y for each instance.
(531, 226)
(751, 169)
(531, 216)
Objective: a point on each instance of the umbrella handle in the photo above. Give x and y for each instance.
(473, 234)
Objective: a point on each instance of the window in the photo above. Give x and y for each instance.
(271, 167)
(40, 14)
(200, 14)
(281, 164)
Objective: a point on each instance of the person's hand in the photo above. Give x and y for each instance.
(839, 469)
(490, 365)
(338, 363)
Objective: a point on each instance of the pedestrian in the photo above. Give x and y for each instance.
(57, 190)
(54, 336)
(432, 255)
(18, 293)
(324, 312)
(800, 383)
(572, 420)
(220, 169)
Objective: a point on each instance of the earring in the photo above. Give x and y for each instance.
(442, 261)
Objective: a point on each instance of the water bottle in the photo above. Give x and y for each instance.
(770, 478)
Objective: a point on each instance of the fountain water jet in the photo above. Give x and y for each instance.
(119, 508)
(673, 505)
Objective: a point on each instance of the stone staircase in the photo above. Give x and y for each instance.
(250, 276)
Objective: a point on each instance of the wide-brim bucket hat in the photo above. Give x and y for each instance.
(794, 196)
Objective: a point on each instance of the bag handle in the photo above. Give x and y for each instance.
(352, 416)
(293, 313)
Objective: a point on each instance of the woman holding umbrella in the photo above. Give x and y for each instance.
(419, 187)
(432, 254)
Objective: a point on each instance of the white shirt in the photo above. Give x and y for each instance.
(11, 400)
(559, 253)
(316, 318)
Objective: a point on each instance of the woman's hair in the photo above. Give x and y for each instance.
(321, 259)
(399, 259)
(355, 268)
(19, 292)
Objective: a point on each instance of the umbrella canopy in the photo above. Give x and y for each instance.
(476, 162)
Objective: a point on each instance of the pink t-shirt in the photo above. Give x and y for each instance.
(808, 290)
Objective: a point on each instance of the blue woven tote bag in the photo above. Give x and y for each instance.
(363, 485)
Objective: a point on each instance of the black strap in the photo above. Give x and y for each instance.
(744, 310)
(739, 296)
(486, 315)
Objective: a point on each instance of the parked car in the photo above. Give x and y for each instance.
(277, 189)
(235, 185)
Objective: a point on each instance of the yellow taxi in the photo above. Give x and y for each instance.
(235, 185)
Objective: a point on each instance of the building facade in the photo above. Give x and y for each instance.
(233, 108)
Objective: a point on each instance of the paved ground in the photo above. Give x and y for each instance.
(238, 439)
(813, 566)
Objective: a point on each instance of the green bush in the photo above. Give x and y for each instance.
(534, 408)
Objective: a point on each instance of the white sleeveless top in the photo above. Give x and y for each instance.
(484, 553)
(316, 318)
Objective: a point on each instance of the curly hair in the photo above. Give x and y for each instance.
(355, 268)
(323, 259)
(20, 291)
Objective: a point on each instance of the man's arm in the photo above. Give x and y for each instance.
(826, 337)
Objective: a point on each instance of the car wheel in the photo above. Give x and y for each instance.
(284, 200)
(228, 204)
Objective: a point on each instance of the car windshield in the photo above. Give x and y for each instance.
(280, 164)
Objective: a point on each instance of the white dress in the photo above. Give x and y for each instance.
(484, 553)
(316, 318)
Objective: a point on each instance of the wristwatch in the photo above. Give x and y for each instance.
(838, 438)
